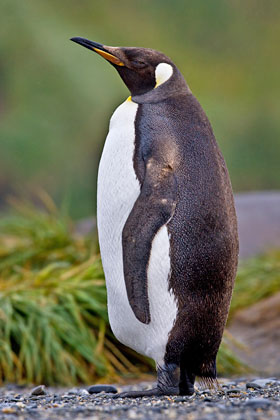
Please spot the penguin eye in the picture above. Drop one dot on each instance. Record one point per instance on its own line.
(139, 64)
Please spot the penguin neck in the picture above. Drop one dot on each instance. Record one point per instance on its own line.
(174, 86)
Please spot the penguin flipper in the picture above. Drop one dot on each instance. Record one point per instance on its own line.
(153, 208)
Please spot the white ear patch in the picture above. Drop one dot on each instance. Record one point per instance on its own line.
(163, 72)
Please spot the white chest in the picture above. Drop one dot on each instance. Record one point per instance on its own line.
(117, 186)
(117, 191)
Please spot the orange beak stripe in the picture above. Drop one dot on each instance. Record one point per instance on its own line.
(109, 57)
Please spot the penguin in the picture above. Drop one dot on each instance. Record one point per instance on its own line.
(166, 222)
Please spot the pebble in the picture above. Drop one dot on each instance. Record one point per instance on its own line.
(258, 403)
(8, 410)
(230, 384)
(84, 392)
(263, 382)
(108, 389)
(233, 401)
(39, 390)
(73, 391)
(233, 391)
(179, 399)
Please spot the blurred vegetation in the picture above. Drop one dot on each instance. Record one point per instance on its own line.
(257, 279)
(56, 98)
(53, 317)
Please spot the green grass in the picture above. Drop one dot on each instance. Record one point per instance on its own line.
(257, 278)
(53, 316)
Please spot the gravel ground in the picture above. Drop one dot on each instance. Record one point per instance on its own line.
(236, 400)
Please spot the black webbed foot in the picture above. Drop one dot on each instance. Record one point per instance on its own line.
(168, 384)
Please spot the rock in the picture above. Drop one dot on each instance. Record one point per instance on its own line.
(108, 389)
(181, 399)
(263, 382)
(73, 391)
(31, 407)
(8, 410)
(233, 391)
(83, 392)
(228, 384)
(258, 403)
(38, 390)
(253, 385)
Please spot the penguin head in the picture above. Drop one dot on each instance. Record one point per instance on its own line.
(142, 69)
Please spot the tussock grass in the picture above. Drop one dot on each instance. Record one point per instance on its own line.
(53, 316)
(257, 279)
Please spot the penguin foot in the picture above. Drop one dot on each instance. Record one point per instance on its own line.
(167, 384)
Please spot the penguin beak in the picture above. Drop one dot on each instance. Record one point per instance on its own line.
(99, 48)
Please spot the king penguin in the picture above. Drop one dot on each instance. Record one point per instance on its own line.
(166, 222)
